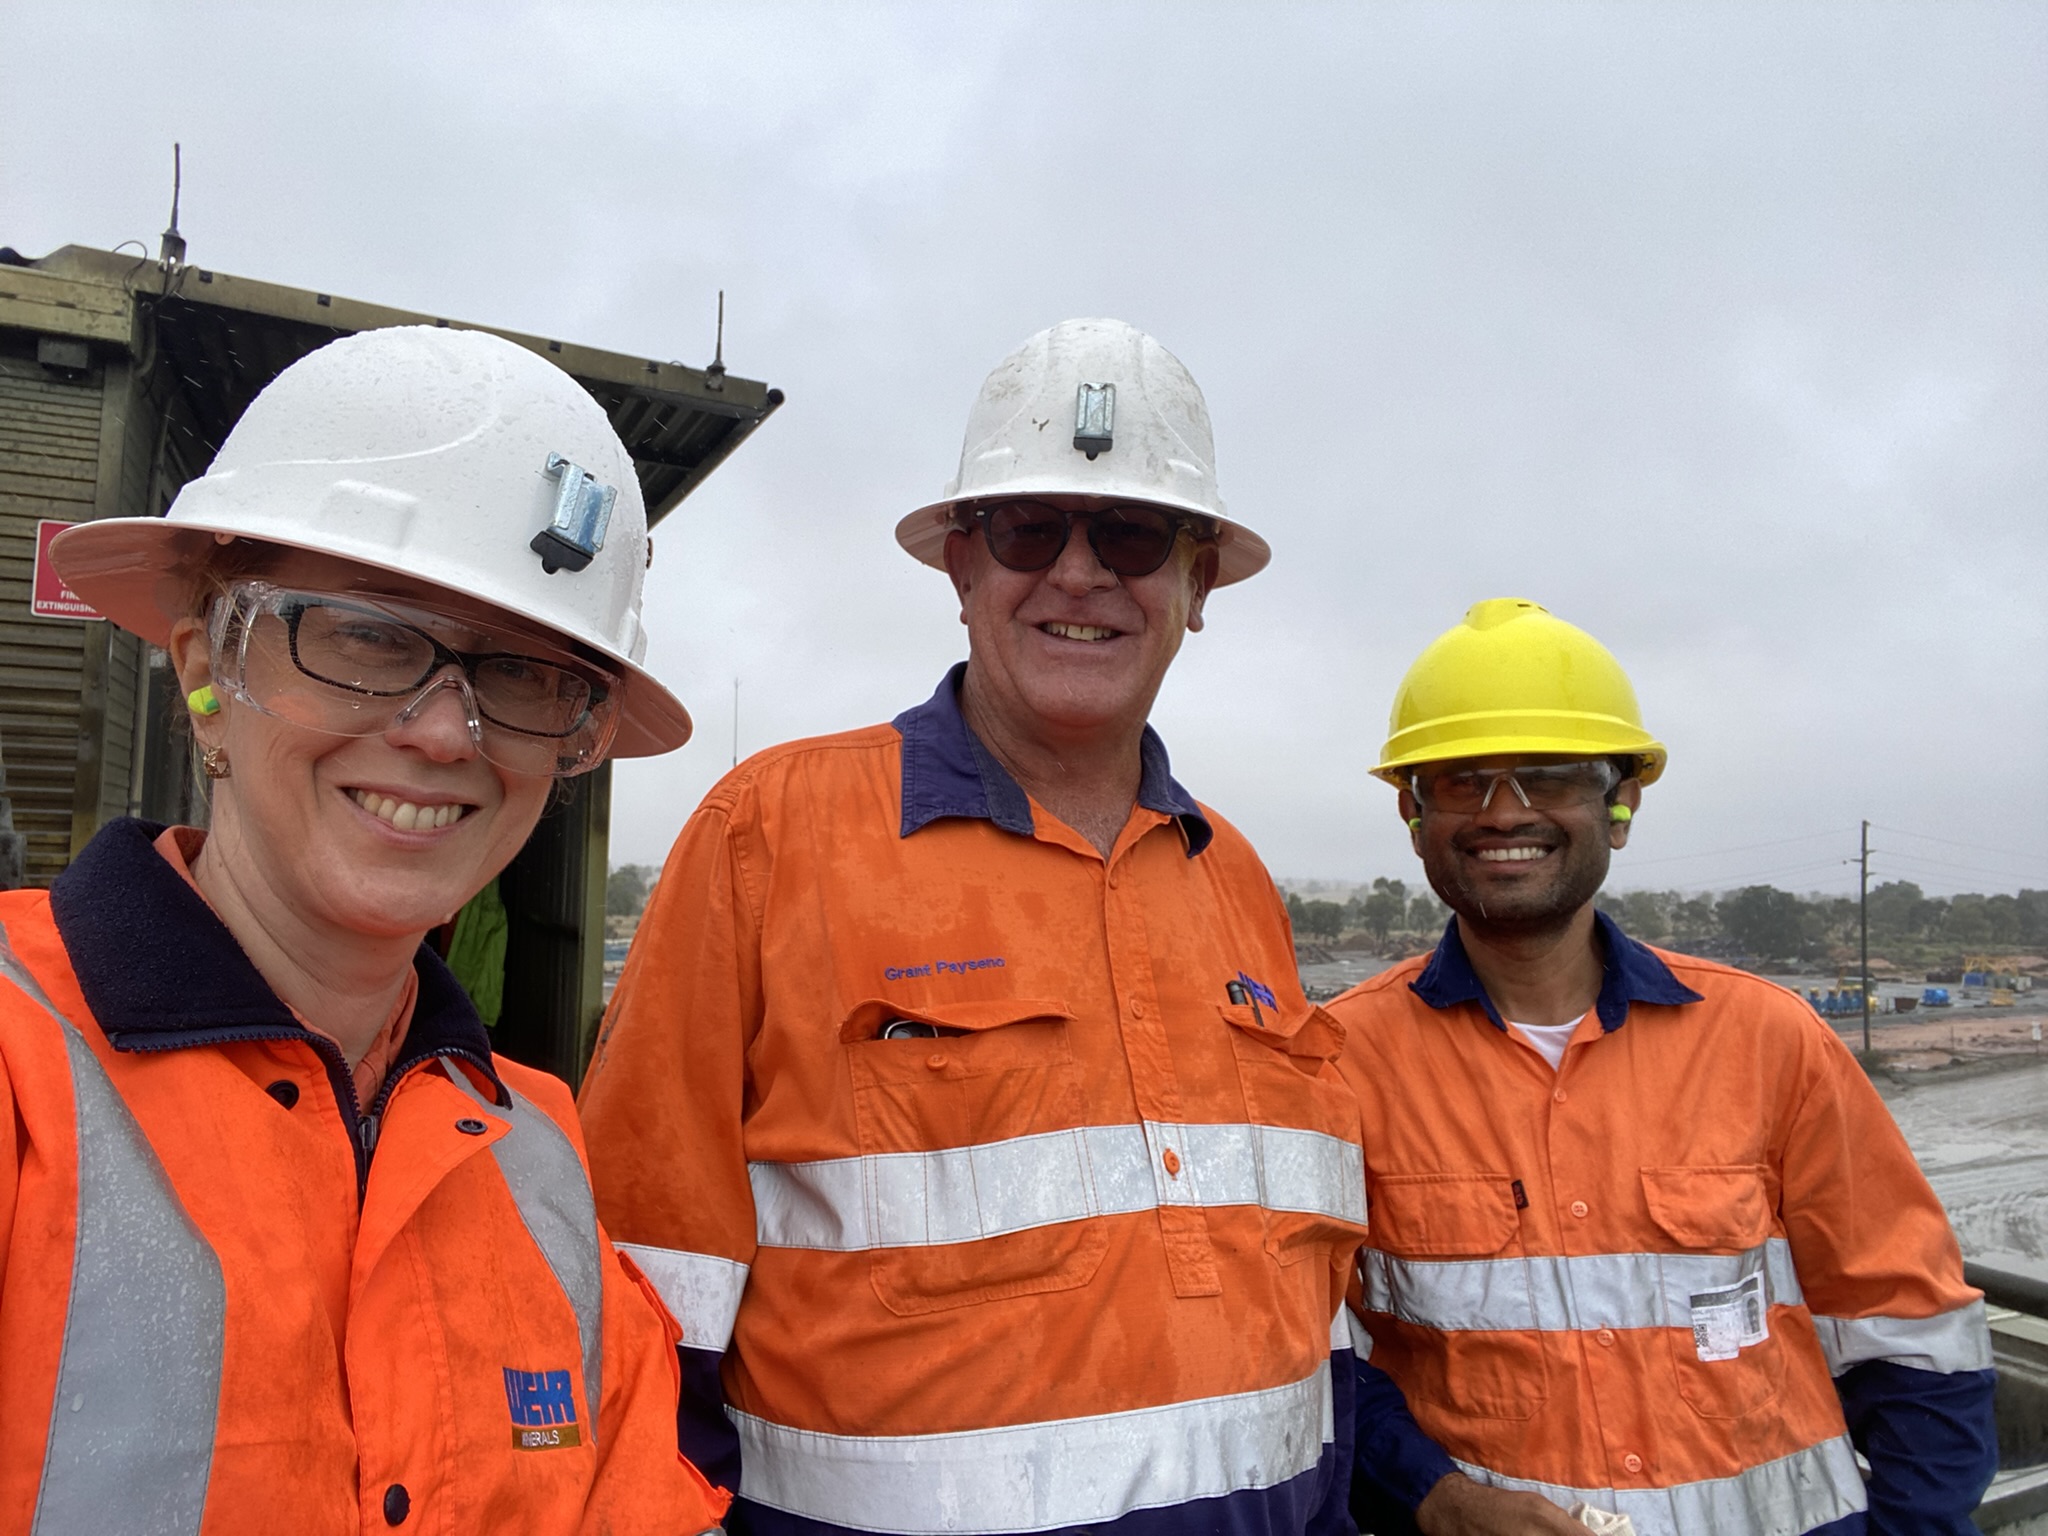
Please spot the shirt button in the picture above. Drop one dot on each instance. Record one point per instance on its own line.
(1137, 1009)
(1633, 1462)
(1558, 1096)
(285, 1091)
(1579, 1208)
(936, 1061)
(1171, 1159)
(397, 1504)
(468, 1128)
(1606, 1336)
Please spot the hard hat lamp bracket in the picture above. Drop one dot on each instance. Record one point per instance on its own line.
(583, 512)
(1095, 418)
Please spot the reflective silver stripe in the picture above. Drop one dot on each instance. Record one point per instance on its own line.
(1796, 1493)
(539, 1165)
(1558, 1293)
(701, 1292)
(138, 1381)
(1347, 1332)
(1958, 1340)
(1039, 1477)
(910, 1199)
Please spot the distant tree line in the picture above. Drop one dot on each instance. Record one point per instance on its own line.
(1757, 921)
(1906, 924)
(1386, 910)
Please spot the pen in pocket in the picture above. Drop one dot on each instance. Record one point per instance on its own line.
(1240, 994)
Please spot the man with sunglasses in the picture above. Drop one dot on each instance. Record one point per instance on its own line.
(959, 1094)
(1644, 1238)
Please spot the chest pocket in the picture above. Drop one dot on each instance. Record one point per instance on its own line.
(1443, 1216)
(1455, 1323)
(1722, 1210)
(968, 1116)
(1312, 1186)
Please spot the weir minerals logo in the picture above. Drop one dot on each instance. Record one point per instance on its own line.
(543, 1405)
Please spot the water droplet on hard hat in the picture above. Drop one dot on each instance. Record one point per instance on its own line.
(1496, 611)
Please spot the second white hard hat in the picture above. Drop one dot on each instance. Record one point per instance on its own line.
(1089, 408)
(448, 457)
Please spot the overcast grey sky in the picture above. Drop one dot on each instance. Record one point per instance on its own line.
(1721, 330)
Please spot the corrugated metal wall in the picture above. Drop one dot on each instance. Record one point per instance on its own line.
(49, 467)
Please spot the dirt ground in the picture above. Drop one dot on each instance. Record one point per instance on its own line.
(1919, 1041)
(1980, 1132)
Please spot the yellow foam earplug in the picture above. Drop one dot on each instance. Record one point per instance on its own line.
(202, 701)
(1414, 823)
(1620, 813)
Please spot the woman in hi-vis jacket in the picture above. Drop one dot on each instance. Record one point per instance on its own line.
(286, 1246)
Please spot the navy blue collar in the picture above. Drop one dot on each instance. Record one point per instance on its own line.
(948, 772)
(1631, 973)
(160, 971)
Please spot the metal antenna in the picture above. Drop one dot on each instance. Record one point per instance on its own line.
(714, 376)
(735, 722)
(172, 253)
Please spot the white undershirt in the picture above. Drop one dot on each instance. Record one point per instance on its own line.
(1550, 1039)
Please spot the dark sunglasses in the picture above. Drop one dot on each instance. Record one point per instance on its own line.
(1129, 538)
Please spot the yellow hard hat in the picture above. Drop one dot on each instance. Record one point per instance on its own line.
(1511, 679)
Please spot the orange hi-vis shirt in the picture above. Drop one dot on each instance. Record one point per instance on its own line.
(234, 1300)
(1653, 1278)
(953, 1139)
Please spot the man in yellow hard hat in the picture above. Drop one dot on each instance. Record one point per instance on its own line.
(1643, 1237)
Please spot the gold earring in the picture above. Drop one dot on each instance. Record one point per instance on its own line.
(214, 762)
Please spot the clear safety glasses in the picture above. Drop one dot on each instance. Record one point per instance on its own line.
(1129, 538)
(1539, 786)
(350, 665)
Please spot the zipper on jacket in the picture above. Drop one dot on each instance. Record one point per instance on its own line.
(370, 1122)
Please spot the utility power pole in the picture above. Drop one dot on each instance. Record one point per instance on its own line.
(1863, 921)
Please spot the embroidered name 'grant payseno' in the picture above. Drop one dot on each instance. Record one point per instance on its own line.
(942, 968)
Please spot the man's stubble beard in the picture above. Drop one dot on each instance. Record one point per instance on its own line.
(1525, 915)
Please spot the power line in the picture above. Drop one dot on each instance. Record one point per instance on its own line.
(1946, 864)
(1754, 877)
(1921, 858)
(2024, 853)
(1863, 930)
(1715, 853)
(1764, 876)
(1928, 858)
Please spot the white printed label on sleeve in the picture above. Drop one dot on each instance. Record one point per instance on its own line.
(1726, 1322)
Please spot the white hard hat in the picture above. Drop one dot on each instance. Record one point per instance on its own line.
(1089, 408)
(452, 458)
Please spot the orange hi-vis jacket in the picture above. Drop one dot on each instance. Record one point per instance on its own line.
(1656, 1278)
(1016, 1187)
(235, 1301)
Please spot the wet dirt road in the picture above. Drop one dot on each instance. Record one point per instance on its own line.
(1983, 1142)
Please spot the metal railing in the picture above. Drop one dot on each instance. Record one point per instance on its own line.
(2018, 1497)
(2002, 1288)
